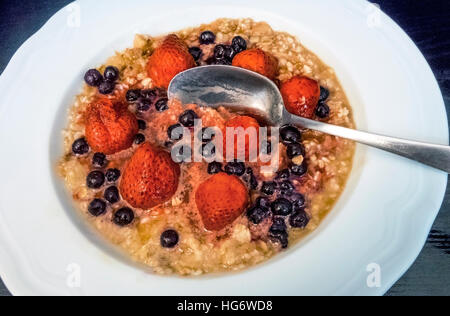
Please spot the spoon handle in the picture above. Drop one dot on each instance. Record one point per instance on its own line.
(437, 156)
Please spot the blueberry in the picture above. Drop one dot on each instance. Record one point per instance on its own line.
(143, 105)
(133, 95)
(95, 179)
(112, 175)
(142, 124)
(169, 238)
(268, 188)
(187, 118)
(175, 132)
(294, 150)
(221, 62)
(281, 237)
(229, 53)
(106, 87)
(324, 94)
(214, 167)
(99, 160)
(299, 170)
(208, 150)
(111, 73)
(278, 225)
(219, 51)
(97, 207)
(139, 139)
(299, 219)
(286, 188)
(281, 206)
(182, 153)
(80, 146)
(112, 195)
(283, 174)
(289, 134)
(162, 104)
(206, 134)
(322, 111)
(123, 217)
(263, 202)
(235, 167)
(253, 182)
(266, 148)
(298, 201)
(149, 94)
(93, 77)
(196, 52)
(207, 37)
(239, 44)
(257, 214)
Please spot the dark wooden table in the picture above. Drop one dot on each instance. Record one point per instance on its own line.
(426, 21)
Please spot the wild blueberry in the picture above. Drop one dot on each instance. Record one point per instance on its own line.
(283, 174)
(221, 62)
(257, 214)
(219, 51)
(268, 188)
(112, 175)
(99, 160)
(263, 202)
(281, 237)
(106, 87)
(239, 44)
(149, 94)
(196, 52)
(278, 225)
(294, 150)
(80, 146)
(229, 53)
(253, 182)
(187, 118)
(207, 37)
(162, 104)
(322, 111)
(143, 105)
(286, 188)
(214, 167)
(142, 125)
(175, 132)
(324, 94)
(299, 170)
(208, 150)
(111, 73)
(281, 206)
(112, 195)
(298, 201)
(133, 95)
(235, 167)
(97, 207)
(123, 216)
(299, 219)
(139, 139)
(206, 134)
(169, 238)
(95, 179)
(93, 77)
(289, 134)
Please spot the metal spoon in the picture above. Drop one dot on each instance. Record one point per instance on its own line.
(248, 91)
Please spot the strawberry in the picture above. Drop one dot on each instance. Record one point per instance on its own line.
(244, 122)
(221, 200)
(301, 95)
(169, 59)
(110, 127)
(258, 61)
(150, 177)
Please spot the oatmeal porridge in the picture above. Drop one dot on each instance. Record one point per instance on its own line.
(127, 149)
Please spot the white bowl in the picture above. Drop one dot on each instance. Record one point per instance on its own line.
(381, 221)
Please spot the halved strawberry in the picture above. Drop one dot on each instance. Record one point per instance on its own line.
(242, 127)
(110, 127)
(258, 61)
(301, 95)
(221, 200)
(150, 177)
(168, 60)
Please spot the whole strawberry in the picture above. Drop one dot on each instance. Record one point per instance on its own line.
(110, 127)
(168, 60)
(301, 95)
(221, 200)
(258, 61)
(150, 177)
